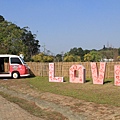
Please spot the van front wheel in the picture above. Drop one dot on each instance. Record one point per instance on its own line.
(15, 75)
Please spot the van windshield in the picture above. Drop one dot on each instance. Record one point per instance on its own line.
(22, 60)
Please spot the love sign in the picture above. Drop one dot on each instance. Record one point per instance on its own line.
(97, 76)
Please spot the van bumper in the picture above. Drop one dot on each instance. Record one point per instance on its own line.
(25, 75)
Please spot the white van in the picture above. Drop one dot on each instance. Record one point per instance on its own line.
(13, 66)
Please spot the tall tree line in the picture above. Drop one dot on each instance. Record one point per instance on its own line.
(16, 40)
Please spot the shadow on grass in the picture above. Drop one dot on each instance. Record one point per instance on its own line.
(108, 81)
(31, 74)
(67, 80)
(5, 78)
(87, 81)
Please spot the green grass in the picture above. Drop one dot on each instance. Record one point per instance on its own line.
(103, 94)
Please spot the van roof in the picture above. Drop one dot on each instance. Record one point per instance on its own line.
(8, 55)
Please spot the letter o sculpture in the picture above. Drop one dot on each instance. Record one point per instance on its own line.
(81, 74)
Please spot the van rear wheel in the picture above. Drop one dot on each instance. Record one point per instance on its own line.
(15, 75)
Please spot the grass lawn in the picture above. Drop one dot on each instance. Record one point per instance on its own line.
(103, 94)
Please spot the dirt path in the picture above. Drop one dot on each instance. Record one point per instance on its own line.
(11, 111)
(71, 108)
(44, 104)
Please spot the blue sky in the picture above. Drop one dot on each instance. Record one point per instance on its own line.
(64, 24)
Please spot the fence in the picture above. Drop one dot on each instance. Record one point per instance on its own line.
(62, 68)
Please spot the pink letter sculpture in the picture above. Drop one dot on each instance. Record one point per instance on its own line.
(81, 74)
(117, 75)
(98, 78)
(51, 74)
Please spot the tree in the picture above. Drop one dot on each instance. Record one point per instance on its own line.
(42, 58)
(48, 58)
(118, 58)
(77, 52)
(73, 51)
(104, 48)
(87, 57)
(72, 58)
(58, 58)
(108, 54)
(1, 18)
(38, 57)
(10, 38)
(31, 44)
(95, 56)
(86, 51)
(16, 40)
(119, 51)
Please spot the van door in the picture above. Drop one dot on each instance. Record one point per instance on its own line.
(1, 64)
(15, 67)
(4, 65)
(15, 64)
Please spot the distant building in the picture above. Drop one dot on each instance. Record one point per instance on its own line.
(107, 60)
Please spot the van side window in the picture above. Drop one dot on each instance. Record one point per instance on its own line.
(15, 61)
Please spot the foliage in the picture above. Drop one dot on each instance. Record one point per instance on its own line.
(95, 56)
(107, 54)
(91, 55)
(72, 58)
(119, 51)
(74, 55)
(58, 58)
(86, 51)
(10, 38)
(31, 44)
(118, 58)
(77, 52)
(42, 58)
(1, 18)
(87, 57)
(16, 40)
